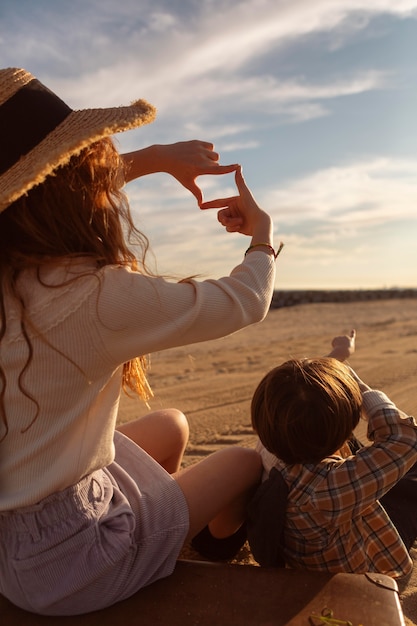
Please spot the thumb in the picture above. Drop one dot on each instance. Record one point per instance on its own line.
(196, 191)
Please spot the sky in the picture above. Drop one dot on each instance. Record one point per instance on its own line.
(317, 99)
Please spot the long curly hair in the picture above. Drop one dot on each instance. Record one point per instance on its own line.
(79, 211)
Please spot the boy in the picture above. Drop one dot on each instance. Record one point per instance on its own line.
(322, 507)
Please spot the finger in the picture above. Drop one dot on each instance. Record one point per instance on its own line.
(225, 217)
(232, 224)
(196, 191)
(242, 188)
(207, 150)
(214, 156)
(219, 203)
(225, 169)
(207, 144)
(216, 169)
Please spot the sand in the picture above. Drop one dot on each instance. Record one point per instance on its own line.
(212, 382)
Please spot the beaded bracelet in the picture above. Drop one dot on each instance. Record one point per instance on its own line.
(267, 245)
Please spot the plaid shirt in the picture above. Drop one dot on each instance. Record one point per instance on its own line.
(334, 522)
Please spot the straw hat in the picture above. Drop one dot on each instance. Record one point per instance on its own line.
(39, 132)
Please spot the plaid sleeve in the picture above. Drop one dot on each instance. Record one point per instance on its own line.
(350, 486)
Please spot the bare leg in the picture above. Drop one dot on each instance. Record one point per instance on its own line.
(162, 434)
(218, 490)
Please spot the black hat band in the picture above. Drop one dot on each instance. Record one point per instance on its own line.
(26, 119)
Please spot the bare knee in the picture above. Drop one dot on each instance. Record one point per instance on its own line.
(178, 426)
(162, 434)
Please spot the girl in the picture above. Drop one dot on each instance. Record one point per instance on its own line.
(90, 514)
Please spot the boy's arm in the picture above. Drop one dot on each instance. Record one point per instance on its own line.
(343, 347)
(360, 480)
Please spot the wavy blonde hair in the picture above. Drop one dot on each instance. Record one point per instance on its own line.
(78, 211)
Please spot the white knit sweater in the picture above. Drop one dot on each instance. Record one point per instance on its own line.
(82, 332)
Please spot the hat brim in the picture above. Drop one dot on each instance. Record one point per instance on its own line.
(79, 130)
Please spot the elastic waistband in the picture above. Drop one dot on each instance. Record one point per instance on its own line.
(86, 499)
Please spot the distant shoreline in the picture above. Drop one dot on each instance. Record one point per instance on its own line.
(293, 297)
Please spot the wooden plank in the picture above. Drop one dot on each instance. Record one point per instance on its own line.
(209, 594)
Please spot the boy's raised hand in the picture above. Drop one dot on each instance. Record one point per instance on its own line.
(343, 346)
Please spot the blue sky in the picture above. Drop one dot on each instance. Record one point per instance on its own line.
(315, 98)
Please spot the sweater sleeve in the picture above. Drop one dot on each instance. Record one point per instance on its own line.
(139, 314)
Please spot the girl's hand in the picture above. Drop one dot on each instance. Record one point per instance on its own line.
(185, 161)
(242, 213)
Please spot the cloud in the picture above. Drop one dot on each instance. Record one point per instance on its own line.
(363, 194)
(159, 44)
(339, 220)
(296, 99)
(192, 60)
(249, 75)
(240, 145)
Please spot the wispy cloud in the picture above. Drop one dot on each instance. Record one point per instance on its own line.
(327, 219)
(153, 47)
(193, 62)
(256, 77)
(366, 193)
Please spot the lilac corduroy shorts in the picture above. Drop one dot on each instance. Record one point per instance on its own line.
(97, 542)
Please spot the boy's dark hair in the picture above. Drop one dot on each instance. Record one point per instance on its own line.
(305, 410)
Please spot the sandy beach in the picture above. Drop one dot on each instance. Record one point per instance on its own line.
(212, 382)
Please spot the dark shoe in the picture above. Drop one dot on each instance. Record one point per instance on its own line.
(219, 549)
